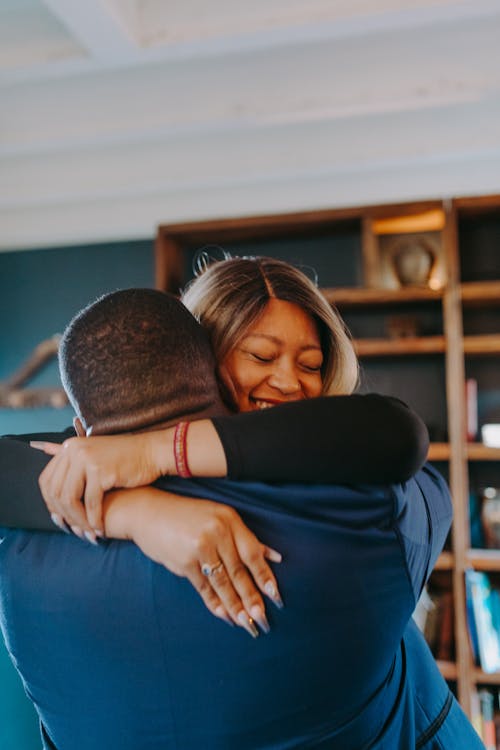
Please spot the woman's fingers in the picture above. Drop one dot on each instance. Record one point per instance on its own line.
(208, 595)
(236, 567)
(93, 499)
(253, 554)
(62, 487)
(50, 448)
(242, 602)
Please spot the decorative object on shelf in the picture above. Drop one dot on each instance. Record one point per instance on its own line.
(402, 326)
(15, 395)
(490, 434)
(490, 517)
(413, 260)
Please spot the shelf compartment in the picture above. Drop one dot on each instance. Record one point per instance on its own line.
(398, 347)
(484, 344)
(484, 559)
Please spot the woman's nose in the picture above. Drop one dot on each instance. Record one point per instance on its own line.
(285, 379)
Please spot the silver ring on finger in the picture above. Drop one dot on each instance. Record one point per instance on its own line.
(211, 570)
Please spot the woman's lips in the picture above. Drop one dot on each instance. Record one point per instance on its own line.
(267, 403)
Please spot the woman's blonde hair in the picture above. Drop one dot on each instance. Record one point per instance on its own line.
(230, 295)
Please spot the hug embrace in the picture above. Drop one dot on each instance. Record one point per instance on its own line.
(302, 514)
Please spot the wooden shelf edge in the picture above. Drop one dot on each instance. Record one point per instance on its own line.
(487, 678)
(448, 669)
(480, 292)
(398, 347)
(484, 559)
(487, 343)
(439, 452)
(359, 296)
(445, 561)
(480, 452)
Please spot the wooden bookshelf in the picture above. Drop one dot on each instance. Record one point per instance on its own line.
(465, 282)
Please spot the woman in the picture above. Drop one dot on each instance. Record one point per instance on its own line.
(263, 363)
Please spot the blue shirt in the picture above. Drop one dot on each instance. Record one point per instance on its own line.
(116, 652)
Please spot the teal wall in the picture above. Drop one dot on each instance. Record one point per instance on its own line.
(39, 292)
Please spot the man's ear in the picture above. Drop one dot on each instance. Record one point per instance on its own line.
(79, 428)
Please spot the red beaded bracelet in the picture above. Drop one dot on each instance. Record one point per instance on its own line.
(180, 450)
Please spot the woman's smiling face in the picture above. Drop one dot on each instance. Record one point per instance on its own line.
(278, 360)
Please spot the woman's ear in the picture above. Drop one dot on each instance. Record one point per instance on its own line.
(79, 428)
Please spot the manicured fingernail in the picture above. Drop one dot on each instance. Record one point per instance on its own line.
(260, 618)
(77, 531)
(248, 624)
(273, 555)
(90, 537)
(37, 444)
(57, 520)
(273, 594)
(221, 612)
(99, 533)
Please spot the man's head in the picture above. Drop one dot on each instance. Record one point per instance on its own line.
(134, 359)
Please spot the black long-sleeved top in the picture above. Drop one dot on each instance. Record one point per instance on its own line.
(353, 439)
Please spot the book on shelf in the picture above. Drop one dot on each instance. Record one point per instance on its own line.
(483, 613)
(434, 615)
(485, 716)
(471, 408)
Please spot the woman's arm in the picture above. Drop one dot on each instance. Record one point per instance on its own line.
(180, 533)
(339, 439)
(343, 439)
(21, 502)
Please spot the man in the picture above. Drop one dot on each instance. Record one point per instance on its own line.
(116, 652)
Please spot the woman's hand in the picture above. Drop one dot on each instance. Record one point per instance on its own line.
(84, 468)
(189, 535)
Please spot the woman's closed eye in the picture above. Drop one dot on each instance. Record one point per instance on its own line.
(311, 368)
(261, 357)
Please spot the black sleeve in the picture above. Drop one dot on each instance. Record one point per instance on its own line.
(342, 439)
(21, 502)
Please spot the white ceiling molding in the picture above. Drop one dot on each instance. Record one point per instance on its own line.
(117, 115)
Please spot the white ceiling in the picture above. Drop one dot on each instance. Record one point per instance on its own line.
(116, 115)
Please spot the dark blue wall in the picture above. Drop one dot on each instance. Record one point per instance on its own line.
(39, 292)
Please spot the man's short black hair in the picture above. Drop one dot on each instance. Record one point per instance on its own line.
(135, 358)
